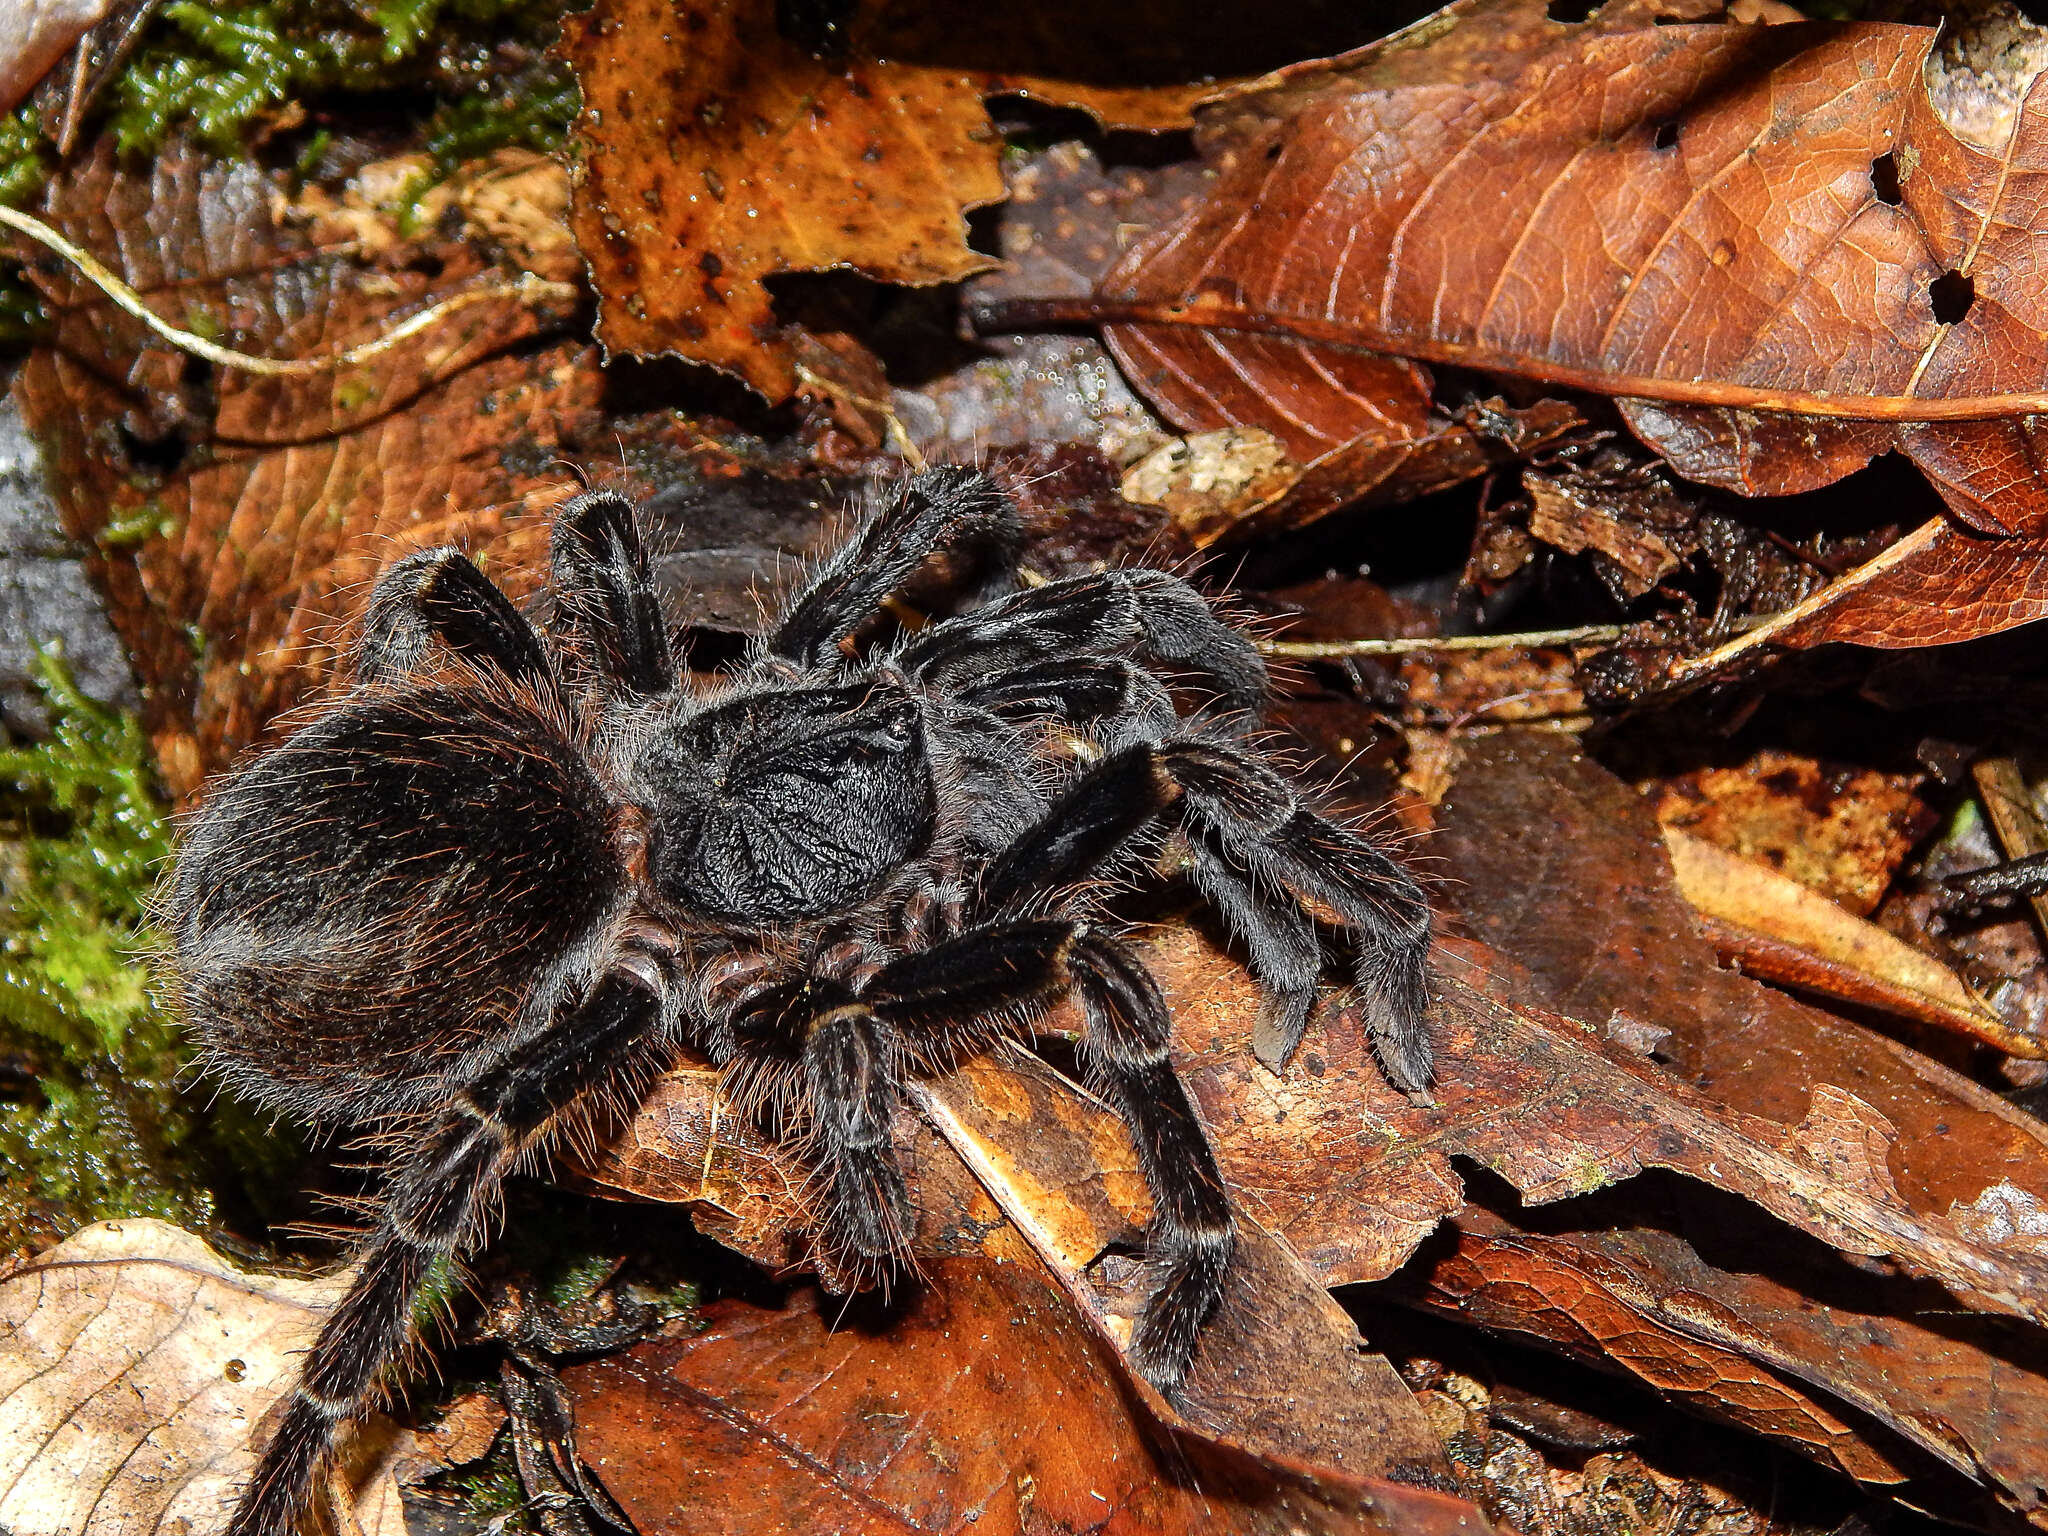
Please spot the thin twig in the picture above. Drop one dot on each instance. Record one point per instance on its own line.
(1317, 650)
(527, 289)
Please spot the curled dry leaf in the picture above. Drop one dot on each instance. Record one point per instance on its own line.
(136, 1368)
(1591, 910)
(1786, 933)
(1701, 220)
(234, 521)
(1939, 584)
(1765, 240)
(1584, 1301)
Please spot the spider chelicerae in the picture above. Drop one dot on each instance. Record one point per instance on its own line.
(503, 873)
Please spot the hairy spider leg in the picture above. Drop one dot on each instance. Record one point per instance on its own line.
(436, 1209)
(936, 509)
(1287, 852)
(812, 1036)
(1082, 691)
(436, 596)
(936, 996)
(606, 610)
(1151, 614)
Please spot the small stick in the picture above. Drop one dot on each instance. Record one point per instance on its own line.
(527, 289)
(2010, 805)
(1313, 650)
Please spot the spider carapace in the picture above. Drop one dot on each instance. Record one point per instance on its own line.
(504, 872)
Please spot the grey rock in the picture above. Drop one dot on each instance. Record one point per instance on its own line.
(45, 595)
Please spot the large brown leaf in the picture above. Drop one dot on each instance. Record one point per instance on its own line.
(985, 1405)
(1762, 238)
(1014, 1326)
(1591, 909)
(234, 520)
(1012, 1149)
(722, 147)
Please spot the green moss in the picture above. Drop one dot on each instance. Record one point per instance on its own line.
(215, 69)
(98, 1126)
(93, 1120)
(491, 1488)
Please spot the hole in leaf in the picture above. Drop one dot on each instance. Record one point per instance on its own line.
(1571, 11)
(1666, 136)
(1884, 179)
(1952, 294)
(1273, 150)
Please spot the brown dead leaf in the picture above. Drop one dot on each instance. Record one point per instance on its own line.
(1601, 856)
(1763, 239)
(1939, 584)
(1839, 829)
(1013, 1329)
(235, 520)
(136, 1370)
(718, 153)
(1021, 1143)
(1590, 907)
(725, 146)
(1062, 1169)
(1537, 1098)
(1583, 1303)
(983, 1404)
(1787, 933)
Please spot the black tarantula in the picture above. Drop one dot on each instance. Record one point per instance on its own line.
(505, 873)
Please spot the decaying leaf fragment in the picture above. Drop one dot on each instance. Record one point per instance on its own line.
(719, 153)
(136, 1367)
(1789, 934)
(1589, 918)
(234, 521)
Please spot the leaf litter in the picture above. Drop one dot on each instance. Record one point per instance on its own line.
(1769, 1213)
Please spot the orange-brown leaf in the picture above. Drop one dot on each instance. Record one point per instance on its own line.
(1699, 219)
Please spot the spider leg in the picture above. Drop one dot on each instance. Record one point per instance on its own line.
(1256, 818)
(1078, 692)
(933, 510)
(606, 609)
(435, 596)
(1286, 957)
(953, 988)
(812, 1038)
(1154, 615)
(435, 1209)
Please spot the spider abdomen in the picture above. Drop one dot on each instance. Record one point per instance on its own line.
(370, 905)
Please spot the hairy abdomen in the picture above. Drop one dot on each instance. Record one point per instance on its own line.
(367, 907)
